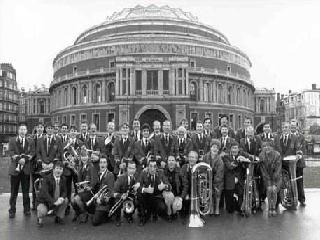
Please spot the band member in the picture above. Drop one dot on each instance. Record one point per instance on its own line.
(224, 122)
(233, 178)
(207, 128)
(35, 164)
(225, 139)
(186, 184)
(21, 151)
(136, 134)
(123, 149)
(53, 195)
(184, 123)
(149, 195)
(200, 140)
(241, 133)
(108, 145)
(270, 165)
(84, 135)
(102, 204)
(184, 146)
(126, 184)
(251, 146)
(49, 148)
(71, 145)
(79, 201)
(172, 197)
(267, 135)
(94, 144)
(56, 130)
(156, 129)
(143, 148)
(214, 160)
(167, 144)
(301, 164)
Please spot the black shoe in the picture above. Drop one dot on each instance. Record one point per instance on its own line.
(59, 220)
(67, 210)
(27, 213)
(169, 219)
(75, 217)
(302, 204)
(130, 220)
(33, 208)
(12, 214)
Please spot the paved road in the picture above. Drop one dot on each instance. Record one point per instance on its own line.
(301, 224)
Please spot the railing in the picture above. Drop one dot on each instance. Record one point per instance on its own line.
(219, 72)
(138, 92)
(152, 92)
(82, 73)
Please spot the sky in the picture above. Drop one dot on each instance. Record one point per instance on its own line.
(281, 38)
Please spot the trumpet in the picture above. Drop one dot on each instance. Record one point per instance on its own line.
(20, 166)
(99, 195)
(201, 193)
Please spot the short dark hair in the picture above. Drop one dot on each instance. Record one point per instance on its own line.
(234, 143)
(207, 118)
(216, 142)
(22, 124)
(58, 163)
(145, 126)
(48, 125)
(74, 128)
(64, 124)
(124, 125)
(224, 116)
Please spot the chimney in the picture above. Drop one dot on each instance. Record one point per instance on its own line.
(314, 86)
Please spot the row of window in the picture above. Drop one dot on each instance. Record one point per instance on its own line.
(8, 128)
(8, 95)
(5, 117)
(8, 84)
(83, 117)
(8, 106)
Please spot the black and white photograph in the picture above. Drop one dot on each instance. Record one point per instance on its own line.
(159, 119)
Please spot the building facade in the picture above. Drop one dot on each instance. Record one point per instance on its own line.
(265, 108)
(34, 107)
(8, 102)
(303, 106)
(151, 63)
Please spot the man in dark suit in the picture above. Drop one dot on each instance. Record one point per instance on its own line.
(108, 145)
(136, 133)
(241, 133)
(224, 122)
(93, 143)
(207, 128)
(301, 164)
(35, 164)
(225, 139)
(21, 151)
(267, 135)
(184, 146)
(53, 195)
(49, 148)
(84, 135)
(200, 141)
(166, 145)
(143, 148)
(123, 149)
(150, 200)
(126, 184)
(100, 179)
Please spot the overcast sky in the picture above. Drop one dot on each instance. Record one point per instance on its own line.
(282, 38)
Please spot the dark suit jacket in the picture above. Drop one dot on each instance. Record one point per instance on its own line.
(255, 146)
(217, 166)
(217, 132)
(184, 148)
(34, 166)
(16, 148)
(46, 195)
(145, 181)
(301, 145)
(186, 180)
(270, 167)
(106, 151)
(55, 150)
(83, 173)
(132, 134)
(140, 150)
(122, 186)
(82, 139)
(166, 148)
(230, 172)
(228, 144)
(96, 183)
(240, 134)
(97, 144)
(198, 145)
(175, 181)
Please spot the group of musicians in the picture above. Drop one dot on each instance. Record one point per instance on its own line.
(150, 167)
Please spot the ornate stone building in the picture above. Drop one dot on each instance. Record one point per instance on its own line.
(151, 63)
(8, 102)
(265, 108)
(34, 107)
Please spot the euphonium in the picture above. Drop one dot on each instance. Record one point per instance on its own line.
(289, 190)
(201, 193)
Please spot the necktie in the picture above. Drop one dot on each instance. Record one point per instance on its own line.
(23, 142)
(57, 190)
(285, 140)
(48, 144)
(167, 138)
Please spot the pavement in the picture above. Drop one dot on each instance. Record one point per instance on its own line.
(304, 223)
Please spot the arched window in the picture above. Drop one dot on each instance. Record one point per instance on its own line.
(193, 91)
(229, 95)
(74, 96)
(84, 94)
(66, 96)
(111, 92)
(238, 96)
(41, 106)
(59, 99)
(262, 110)
(97, 93)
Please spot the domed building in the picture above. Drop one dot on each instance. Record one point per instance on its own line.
(151, 63)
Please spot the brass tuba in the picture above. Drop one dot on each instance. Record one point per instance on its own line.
(289, 190)
(201, 193)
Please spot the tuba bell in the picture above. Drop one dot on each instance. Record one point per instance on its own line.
(201, 193)
(289, 190)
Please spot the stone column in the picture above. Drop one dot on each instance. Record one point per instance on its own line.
(183, 83)
(144, 82)
(160, 82)
(78, 93)
(103, 90)
(132, 82)
(117, 86)
(187, 83)
(201, 89)
(90, 92)
(172, 82)
(176, 81)
(127, 82)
